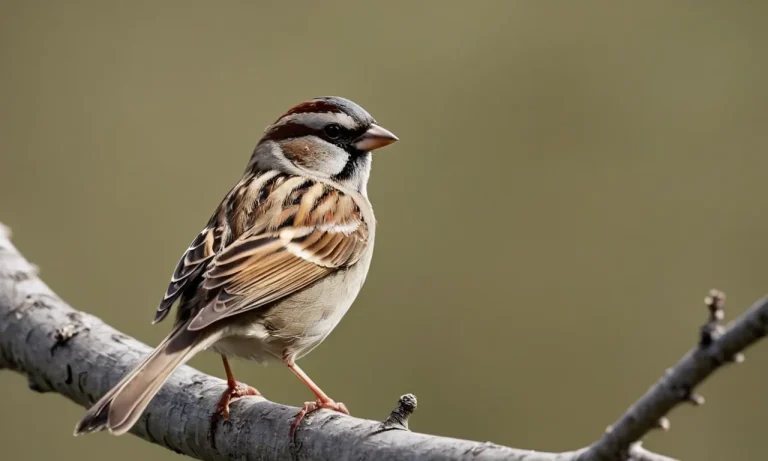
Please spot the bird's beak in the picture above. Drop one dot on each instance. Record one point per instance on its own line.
(376, 137)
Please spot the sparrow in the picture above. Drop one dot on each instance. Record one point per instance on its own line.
(277, 266)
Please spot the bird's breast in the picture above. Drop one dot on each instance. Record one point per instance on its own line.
(295, 325)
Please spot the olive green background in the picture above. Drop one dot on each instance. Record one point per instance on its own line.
(572, 177)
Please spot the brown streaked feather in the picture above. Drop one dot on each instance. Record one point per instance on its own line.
(313, 106)
(249, 206)
(200, 252)
(308, 201)
(247, 197)
(325, 206)
(301, 233)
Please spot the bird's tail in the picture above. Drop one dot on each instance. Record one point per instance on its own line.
(122, 406)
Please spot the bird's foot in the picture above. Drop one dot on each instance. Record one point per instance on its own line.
(221, 411)
(232, 393)
(311, 407)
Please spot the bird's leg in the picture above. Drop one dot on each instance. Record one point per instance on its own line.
(234, 391)
(321, 398)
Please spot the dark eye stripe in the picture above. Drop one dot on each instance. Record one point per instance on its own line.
(289, 130)
(314, 124)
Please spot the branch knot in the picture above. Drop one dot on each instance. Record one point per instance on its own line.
(398, 419)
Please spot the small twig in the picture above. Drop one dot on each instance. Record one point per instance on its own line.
(712, 330)
(638, 453)
(398, 419)
(717, 346)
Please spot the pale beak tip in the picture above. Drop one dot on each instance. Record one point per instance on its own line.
(375, 137)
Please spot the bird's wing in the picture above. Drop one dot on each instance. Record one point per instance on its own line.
(235, 213)
(192, 263)
(302, 232)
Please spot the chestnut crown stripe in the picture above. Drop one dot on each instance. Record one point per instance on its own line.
(333, 105)
(315, 105)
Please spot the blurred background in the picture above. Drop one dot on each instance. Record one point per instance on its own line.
(572, 178)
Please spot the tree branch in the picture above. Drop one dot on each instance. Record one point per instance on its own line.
(717, 347)
(75, 354)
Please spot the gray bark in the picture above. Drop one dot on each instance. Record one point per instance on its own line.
(75, 354)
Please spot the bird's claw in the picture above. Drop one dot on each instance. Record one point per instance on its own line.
(221, 410)
(311, 407)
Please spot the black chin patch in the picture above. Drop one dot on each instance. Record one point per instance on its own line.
(356, 160)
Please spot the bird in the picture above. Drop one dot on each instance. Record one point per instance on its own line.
(276, 267)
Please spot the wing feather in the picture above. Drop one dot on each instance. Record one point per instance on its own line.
(307, 231)
(202, 249)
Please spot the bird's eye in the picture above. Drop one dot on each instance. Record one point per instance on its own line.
(333, 131)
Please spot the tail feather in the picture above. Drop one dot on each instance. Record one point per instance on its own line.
(122, 406)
